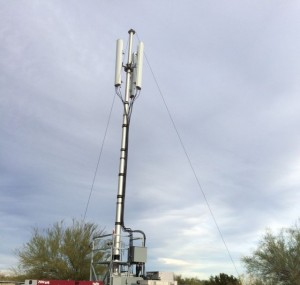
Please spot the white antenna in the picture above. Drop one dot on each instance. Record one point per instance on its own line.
(119, 59)
(133, 76)
(139, 65)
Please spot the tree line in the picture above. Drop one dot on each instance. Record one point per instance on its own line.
(63, 252)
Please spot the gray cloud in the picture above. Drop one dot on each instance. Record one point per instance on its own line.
(229, 75)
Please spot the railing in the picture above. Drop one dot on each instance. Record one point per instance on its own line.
(102, 256)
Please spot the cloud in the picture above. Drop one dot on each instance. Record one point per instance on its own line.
(174, 262)
(229, 78)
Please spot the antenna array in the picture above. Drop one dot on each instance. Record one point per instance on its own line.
(135, 64)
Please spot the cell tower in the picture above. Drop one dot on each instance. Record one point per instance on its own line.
(123, 253)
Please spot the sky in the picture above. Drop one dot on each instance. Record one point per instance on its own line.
(224, 73)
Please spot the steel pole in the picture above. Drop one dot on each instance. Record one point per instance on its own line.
(123, 161)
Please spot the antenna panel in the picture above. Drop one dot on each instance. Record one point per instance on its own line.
(139, 65)
(133, 76)
(119, 60)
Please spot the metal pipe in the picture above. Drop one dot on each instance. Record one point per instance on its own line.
(123, 161)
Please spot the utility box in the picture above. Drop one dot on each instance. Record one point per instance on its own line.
(138, 254)
(160, 275)
(125, 280)
(159, 278)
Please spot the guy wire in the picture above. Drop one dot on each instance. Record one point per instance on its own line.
(191, 165)
(99, 158)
